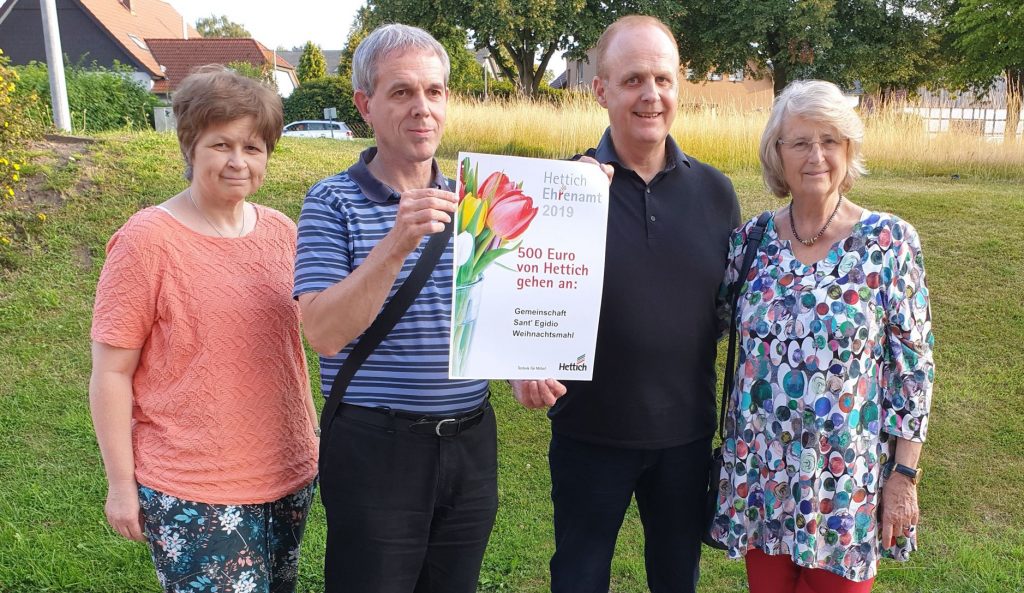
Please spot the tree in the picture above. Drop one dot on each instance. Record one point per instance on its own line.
(885, 45)
(263, 73)
(465, 72)
(312, 64)
(362, 24)
(521, 35)
(776, 37)
(989, 37)
(220, 26)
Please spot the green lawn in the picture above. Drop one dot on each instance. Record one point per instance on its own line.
(53, 536)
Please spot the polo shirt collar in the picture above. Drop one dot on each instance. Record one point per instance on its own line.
(375, 189)
(606, 152)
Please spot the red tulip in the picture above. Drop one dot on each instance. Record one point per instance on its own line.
(496, 185)
(511, 211)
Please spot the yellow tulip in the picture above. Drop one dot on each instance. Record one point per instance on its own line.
(470, 206)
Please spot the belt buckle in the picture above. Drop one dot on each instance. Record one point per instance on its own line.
(440, 423)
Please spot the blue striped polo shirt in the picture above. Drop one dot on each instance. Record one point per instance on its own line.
(343, 217)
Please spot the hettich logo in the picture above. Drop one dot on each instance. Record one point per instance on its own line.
(579, 365)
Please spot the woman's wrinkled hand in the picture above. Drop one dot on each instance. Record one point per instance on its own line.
(123, 511)
(899, 508)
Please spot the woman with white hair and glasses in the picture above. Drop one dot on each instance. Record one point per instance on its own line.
(829, 406)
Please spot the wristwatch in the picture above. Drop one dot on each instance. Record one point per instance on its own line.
(913, 474)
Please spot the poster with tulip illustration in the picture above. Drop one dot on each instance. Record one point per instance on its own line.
(529, 268)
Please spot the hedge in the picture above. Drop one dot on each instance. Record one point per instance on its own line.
(98, 98)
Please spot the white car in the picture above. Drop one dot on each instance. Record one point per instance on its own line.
(318, 129)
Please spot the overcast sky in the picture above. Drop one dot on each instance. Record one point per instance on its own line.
(287, 24)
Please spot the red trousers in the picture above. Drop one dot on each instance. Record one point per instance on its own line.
(778, 574)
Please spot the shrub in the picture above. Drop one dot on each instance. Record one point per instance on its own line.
(9, 132)
(15, 128)
(309, 100)
(546, 93)
(496, 89)
(503, 89)
(99, 98)
(263, 73)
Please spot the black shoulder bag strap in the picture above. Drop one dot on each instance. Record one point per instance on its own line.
(750, 248)
(386, 320)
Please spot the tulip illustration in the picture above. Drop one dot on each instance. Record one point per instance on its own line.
(491, 217)
(463, 247)
(468, 177)
(472, 214)
(511, 213)
(496, 185)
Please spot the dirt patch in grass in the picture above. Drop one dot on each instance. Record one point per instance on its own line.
(83, 257)
(57, 167)
(52, 159)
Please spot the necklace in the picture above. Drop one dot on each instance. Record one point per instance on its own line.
(809, 242)
(241, 230)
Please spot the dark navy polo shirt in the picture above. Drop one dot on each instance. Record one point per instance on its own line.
(654, 368)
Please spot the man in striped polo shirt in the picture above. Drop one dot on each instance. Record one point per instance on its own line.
(408, 470)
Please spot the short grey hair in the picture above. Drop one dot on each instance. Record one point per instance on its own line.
(384, 40)
(821, 102)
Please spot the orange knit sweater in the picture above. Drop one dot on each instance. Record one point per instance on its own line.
(219, 413)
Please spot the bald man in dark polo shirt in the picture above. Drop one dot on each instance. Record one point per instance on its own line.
(644, 425)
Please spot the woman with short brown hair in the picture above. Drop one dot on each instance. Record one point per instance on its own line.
(199, 391)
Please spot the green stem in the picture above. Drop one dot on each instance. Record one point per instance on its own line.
(482, 241)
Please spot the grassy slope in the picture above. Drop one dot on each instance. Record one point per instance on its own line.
(53, 536)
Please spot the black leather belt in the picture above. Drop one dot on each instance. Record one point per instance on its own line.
(441, 426)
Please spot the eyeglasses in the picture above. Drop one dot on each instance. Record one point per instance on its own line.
(802, 146)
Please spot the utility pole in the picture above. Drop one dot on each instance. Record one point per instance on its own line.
(486, 64)
(55, 66)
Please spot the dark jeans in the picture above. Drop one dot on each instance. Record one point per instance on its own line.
(591, 486)
(406, 512)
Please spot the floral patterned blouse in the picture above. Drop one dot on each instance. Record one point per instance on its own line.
(835, 362)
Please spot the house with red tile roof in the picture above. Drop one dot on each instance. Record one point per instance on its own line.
(179, 57)
(109, 31)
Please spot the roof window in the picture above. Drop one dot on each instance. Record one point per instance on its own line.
(138, 41)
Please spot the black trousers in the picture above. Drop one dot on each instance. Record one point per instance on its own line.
(591, 487)
(406, 513)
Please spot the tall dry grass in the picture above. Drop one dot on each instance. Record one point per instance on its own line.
(895, 143)
(523, 128)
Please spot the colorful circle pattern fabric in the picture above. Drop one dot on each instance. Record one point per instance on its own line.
(835, 362)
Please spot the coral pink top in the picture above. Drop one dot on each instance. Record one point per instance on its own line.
(219, 413)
